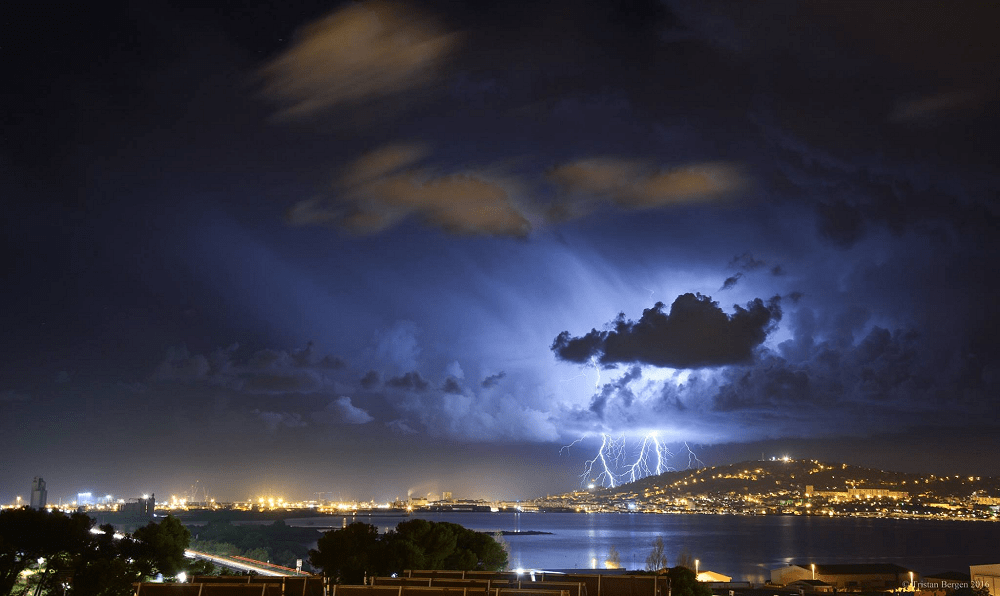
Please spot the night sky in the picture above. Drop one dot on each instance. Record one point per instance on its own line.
(375, 248)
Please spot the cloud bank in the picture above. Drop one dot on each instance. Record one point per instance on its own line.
(695, 333)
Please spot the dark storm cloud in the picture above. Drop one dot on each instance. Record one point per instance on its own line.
(695, 333)
(370, 380)
(746, 262)
(261, 372)
(451, 385)
(493, 380)
(730, 282)
(411, 381)
(13, 396)
(840, 223)
(618, 388)
(884, 374)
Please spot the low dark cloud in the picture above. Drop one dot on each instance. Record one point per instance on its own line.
(273, 420)
(882, 381)
(261, 372)
(370, 380)
(411, 380)
(696, 333)
(617, 388)
(730, 282)
(492, 380)
(341, 410)
(451, 385)
(746, 262)
(13, 396)
(840, 223)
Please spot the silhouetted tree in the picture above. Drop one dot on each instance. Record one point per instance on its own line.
(684, 583)
(96, 564)
(614, 560)
(163, 544)
(27, 535)
(685, 559)
(656, 560)
(349, 554)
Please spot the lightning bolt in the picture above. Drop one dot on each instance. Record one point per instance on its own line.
(601, 468)
(692, 458)
(566, 447)
(597, 367)
(608, 467)
(651, 452)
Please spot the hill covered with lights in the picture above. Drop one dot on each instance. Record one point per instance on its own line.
(762, 477)
(790, 486)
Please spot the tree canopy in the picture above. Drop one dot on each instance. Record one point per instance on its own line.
(349, 554)
(55, 548)
(683, 582)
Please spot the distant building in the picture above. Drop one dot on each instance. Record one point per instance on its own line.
(140, 507)
(39, 496)
(856, 493)
(986, 576)
(862, 576)
(868, 493)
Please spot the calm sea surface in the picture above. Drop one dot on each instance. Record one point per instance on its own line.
(746, 548)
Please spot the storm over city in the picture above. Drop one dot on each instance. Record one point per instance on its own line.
(377, 249)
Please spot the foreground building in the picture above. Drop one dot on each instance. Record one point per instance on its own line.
(986, 576)
(854, 577)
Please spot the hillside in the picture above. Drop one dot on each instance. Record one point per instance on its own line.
(792, 476)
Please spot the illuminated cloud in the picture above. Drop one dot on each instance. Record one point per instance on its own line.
(342, 410)
(361, 52)
(638, 184)
(272, 420)
(381, 189)
(932, 106)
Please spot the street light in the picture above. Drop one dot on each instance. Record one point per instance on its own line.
(814, 571)
(696, 568)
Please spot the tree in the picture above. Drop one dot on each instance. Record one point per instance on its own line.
(27, 535)
(656, 560)
(422, 544)
(498, 537)
(685, 559)
(348, 554)
(163, 545)
(684, 583)
(614, 560)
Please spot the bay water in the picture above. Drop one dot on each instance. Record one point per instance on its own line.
(744, 547)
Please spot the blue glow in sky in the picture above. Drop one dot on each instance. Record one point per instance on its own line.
(374, 248)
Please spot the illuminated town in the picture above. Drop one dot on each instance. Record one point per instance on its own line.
(780, 486)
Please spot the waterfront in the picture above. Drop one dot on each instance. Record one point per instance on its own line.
(744, 547)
